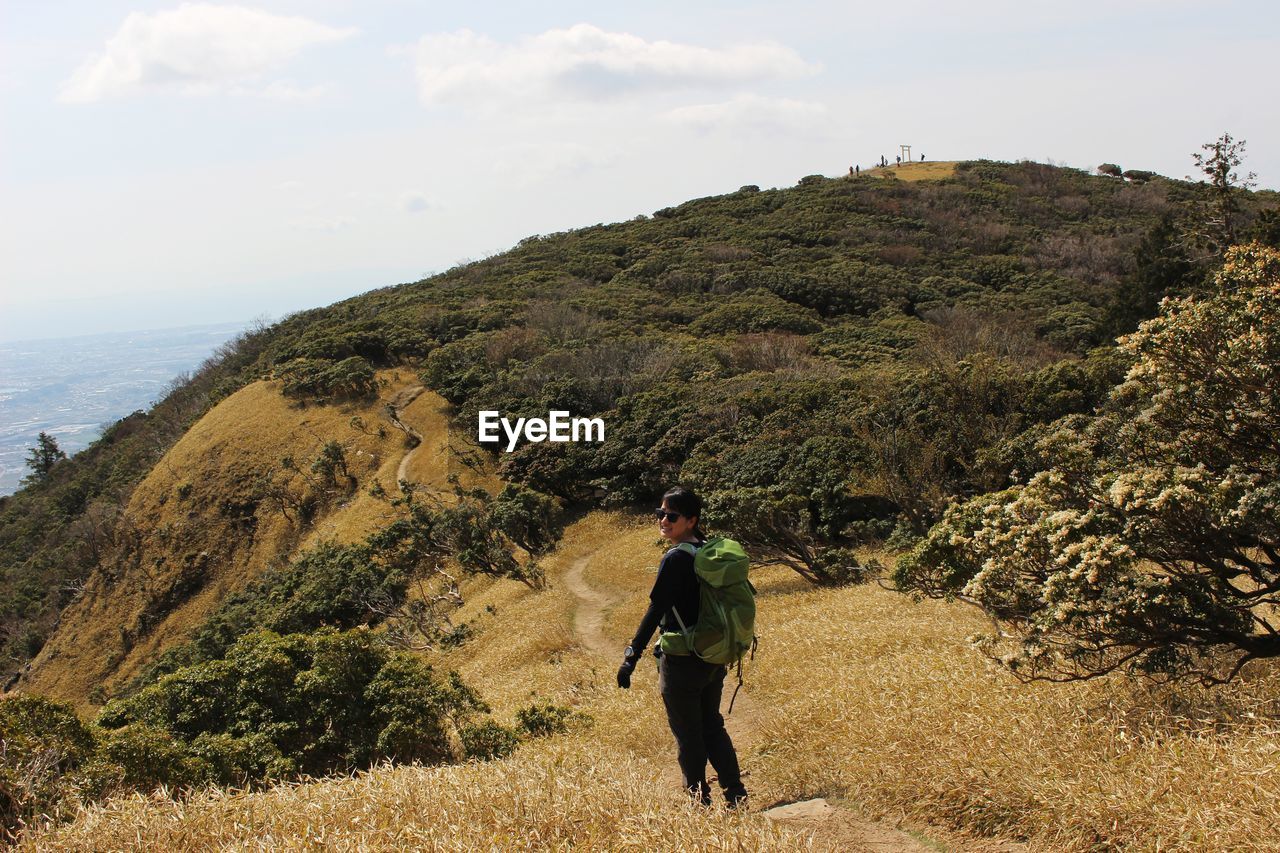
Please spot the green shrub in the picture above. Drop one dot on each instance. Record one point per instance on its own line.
(240, 760)
(352, 377)
(488, 740)
(150, 757)
(1139, 176)
(758, 312)
(318, 703)
(545, 718)
(43, 748)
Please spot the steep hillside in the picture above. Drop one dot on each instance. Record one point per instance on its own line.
(220, 508)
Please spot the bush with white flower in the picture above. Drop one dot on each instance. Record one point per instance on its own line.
(1151, 545)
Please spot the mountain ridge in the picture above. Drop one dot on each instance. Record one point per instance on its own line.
(807, 294)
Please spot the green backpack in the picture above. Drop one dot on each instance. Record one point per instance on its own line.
(725, 630)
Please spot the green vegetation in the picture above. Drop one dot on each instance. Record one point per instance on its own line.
(1220, 220)
(274, 707)
(370, 583)
(47, 760)
(841, 364)
(913, 330)
(311, 703)
(319, 379)
(44, 456)
(1151, 541)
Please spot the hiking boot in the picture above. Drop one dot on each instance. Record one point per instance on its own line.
(700, 793)
(736, 799)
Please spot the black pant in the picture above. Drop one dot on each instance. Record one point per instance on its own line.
(691, 691)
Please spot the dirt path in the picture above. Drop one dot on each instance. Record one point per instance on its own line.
(831, 825)
(397, 405)
(588, 616)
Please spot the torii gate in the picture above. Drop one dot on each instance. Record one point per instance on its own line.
(905, 150)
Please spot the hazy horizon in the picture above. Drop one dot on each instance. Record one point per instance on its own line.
(73, 387)
(171, 163)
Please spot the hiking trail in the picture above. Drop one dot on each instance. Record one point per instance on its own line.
(831, 825)
(588, 616)
(397, 405)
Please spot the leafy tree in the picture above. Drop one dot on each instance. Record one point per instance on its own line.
(469, 533)
(1152, 544)
(332, 462)
(776, 527)
(1162, 269)
(1267, 229)
(937, 435)
(1139, 176)
(42, 457)
(1221, 214)
(526, 517)
(352, 377)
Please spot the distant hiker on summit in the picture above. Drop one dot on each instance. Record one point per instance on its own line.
(706, 608)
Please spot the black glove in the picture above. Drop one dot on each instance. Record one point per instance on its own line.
(629, 658)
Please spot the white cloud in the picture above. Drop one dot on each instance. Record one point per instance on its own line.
(323, 224)
(281, 90)
(199, 49)
(529, 163)
(748, 111)
(415, 202)
(585, 62)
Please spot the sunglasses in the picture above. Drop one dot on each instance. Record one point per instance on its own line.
(672, 517)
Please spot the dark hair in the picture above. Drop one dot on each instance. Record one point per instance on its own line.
(685, 502)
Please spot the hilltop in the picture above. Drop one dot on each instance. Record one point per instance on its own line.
(833, 365)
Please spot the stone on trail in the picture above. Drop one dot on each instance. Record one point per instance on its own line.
(815, 810)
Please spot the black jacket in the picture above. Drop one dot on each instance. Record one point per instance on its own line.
(676, 587)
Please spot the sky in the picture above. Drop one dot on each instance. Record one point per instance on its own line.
(167, 164)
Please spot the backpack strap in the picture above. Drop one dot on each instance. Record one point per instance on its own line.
(688, 547)
(692, 550)
(734, 697)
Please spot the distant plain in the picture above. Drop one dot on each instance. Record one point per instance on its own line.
(73, 387)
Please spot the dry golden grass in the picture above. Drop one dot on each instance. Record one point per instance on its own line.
(552, 796)
(185, 531)
(525, 647)
(877, 699)
(858, 695)
(915, 171)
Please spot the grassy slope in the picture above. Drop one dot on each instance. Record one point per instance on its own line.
(857, 694)
(193, 547)
(913, 171)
